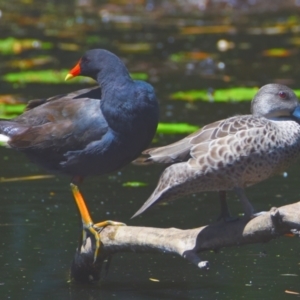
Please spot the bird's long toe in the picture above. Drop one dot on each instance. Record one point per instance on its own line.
(88, 226)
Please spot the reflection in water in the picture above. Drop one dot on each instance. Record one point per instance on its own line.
(178, 48)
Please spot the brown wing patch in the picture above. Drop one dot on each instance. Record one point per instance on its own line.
(50, 118)
(37, 136)
(34, 103)
(37, 102)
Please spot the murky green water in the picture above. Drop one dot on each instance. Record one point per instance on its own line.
(39, 225)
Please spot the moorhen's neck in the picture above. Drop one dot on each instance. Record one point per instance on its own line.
(114, 73)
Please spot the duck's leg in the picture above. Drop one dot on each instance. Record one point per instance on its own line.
(225, 212)
(88, 225)
(248, 208)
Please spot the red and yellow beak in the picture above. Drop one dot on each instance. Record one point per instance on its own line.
(74, 72)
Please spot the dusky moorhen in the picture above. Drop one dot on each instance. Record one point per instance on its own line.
(92, 131)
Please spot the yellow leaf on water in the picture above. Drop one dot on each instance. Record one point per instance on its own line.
(208, 29)
(291, 292)
(34, 177)
(135, 47)
(10, 99)
(186, 56)
(31, 62)
(278, 52)
(154, 279)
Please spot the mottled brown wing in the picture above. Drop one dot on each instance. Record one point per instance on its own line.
(226, 140)
(181, 150)
(178, 151)
(225, 127)
(175, 152)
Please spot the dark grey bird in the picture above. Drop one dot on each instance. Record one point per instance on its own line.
(232, 154)
(91, 131)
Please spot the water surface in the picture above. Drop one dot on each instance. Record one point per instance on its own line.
(39, 224)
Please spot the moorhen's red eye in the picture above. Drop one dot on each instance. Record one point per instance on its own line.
(85, 59)
(282, 95)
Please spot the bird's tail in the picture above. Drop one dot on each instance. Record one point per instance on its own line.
(154, 198)
(172, 184)
(176, 152)
(9, 129)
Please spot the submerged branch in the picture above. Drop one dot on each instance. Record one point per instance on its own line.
(186, 243)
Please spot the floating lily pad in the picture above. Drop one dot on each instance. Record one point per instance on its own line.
(222, 95)
(12, 45)
(8, 111)
(297, 92)
(139, 76)
(135, 47)
(186, 56)
(277, 52)
(29, 63)
(214, 29)
(55, 77)
(45, 76)
(191, 95)
(176, 128)
(10, 99)
(134, 184)
(24, 178)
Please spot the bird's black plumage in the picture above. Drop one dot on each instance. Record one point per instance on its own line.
(91, 131)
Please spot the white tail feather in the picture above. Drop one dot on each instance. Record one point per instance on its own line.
(4, 138)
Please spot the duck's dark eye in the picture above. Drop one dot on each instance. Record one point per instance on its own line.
(282, 95)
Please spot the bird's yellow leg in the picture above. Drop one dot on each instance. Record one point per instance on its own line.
(108, 222)
(87, 222)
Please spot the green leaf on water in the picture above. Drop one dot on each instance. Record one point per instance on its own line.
(13, 108)
(141, 47)
(134, 184)
(219, 95)
(176, 128)
(187, 56)
(8, 111)
(191, 95)
(55, 77)
(139, 76)
(95, 39)
(235, 94)
(177, 57)
(3, 116)
(297, 92)
(277, 52)
(12, 45)
(45, 76)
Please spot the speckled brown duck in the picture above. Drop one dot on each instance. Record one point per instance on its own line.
(234, 153)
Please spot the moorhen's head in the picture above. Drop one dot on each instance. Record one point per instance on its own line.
(275, 101)
(97, 62)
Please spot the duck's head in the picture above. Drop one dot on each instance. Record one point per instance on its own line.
(275, 101)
